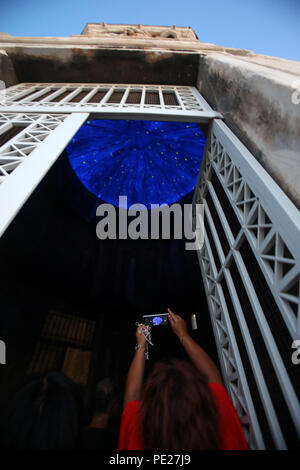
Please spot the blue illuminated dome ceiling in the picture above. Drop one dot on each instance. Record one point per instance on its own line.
(149, 162)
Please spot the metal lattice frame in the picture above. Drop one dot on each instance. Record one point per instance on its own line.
(143, 101)
(37, 128)
(26, 158)
(254, 305)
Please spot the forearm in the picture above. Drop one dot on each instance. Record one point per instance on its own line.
(134, 381)
(201, 359)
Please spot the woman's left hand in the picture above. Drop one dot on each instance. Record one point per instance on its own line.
(140, 337)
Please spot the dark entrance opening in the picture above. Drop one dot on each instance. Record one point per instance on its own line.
(52, 261)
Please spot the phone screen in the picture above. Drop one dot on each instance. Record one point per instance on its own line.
(156, 320)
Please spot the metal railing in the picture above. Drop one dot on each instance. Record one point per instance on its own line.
(181, 103)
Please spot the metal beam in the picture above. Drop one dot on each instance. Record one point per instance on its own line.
(19, 185)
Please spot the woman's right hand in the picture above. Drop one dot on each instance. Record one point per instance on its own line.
(178, 324)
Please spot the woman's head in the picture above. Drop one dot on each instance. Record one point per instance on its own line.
(177, 409)
(44, 414)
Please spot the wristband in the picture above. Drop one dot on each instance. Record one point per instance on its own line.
(139, 346)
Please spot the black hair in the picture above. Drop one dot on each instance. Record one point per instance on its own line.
(45, 413)
(104, 394)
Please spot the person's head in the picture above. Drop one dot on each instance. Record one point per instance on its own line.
(44, 414)
(177, 409)
(107, 401)
(104, 394)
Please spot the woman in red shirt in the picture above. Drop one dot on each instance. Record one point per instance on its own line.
(184, 405)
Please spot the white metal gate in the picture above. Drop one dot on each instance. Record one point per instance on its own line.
(251, 270)
(26, 158)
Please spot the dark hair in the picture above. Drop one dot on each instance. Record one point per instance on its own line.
(178, 409)
(44, 414)
(104, 394)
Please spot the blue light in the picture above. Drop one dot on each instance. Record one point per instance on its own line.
(157, 321)
(150, 162)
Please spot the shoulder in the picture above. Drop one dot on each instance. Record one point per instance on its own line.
(220, 393)
(130, 409)
(129, 429)
(232, 434)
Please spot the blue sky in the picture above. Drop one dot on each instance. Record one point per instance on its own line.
(265, 26)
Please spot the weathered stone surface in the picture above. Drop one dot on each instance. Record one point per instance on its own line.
(256, 102)
(7, 71)
(141, 31)
(38, 64)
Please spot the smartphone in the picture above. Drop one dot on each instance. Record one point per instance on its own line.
(156, 320)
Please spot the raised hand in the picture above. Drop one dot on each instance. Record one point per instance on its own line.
(178, 324)
(140, 339)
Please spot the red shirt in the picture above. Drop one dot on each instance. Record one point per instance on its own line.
(232, 435)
